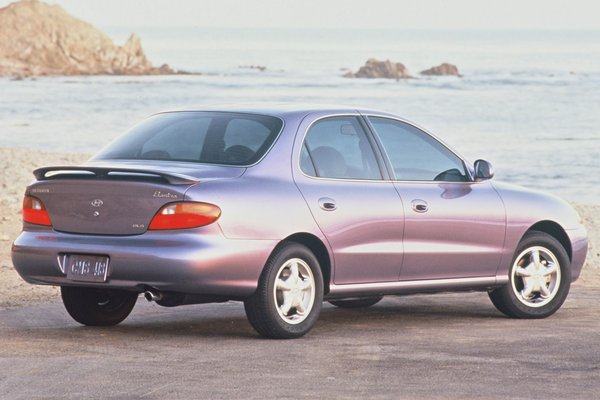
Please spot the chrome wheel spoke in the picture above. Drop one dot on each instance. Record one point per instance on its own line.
(294, 274)
(536, 283)
(544, 292)
(283, 285)
(304, 285)
(287, 304)
(294, 291)
(300, 308)
(527, 291)
(535, 257)
(550, 269)
(520, 271)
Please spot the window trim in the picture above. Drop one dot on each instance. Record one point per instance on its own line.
(379, 159)
(388, 163)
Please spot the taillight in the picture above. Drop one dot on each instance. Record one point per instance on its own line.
(34, 211)
(185, 215)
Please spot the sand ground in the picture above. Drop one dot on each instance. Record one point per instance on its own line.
(16, 166)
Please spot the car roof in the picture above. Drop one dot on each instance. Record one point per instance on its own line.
(281, 110)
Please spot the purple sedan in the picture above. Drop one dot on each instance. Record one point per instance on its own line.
(284, 207)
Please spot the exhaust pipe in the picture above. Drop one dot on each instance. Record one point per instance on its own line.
(153, 295)
(173, 299)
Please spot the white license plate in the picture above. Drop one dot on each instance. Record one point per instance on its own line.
(87, 268)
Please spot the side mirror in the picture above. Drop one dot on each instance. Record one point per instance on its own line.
(483, 170)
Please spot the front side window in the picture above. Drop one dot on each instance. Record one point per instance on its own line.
(416, 156)
(338, 147)
(203, 137)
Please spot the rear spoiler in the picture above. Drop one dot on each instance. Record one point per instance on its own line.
(85, 172)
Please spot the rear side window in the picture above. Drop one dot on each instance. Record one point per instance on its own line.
(203, 137)
(338, 147)
(415, 155)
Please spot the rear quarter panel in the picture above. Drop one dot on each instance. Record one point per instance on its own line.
(264, 203)
(257, 208)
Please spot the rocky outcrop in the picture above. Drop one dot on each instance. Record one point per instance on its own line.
(374, 68)
(444, 69)
(42, 39)
(261, 68)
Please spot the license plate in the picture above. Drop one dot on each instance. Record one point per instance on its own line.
(87, 268)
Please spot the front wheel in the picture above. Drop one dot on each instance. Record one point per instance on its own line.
(289, 296)
(98, 307)
(539, 279)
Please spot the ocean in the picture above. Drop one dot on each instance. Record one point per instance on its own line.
(529, 101)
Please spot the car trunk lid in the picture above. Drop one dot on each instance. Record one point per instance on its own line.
(116, 199)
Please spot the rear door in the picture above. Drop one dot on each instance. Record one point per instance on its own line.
(454, 228)
(358, 211)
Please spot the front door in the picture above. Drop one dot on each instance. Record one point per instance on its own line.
(452, 230)
(454, 227)
(358, 211)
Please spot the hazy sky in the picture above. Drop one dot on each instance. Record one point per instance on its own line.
(414, 14)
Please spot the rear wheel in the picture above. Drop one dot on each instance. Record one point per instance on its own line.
(357, 303)
(539, 279)
(98, 307)
(289, 296)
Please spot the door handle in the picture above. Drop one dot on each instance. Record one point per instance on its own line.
(327, 204)
(420, 206)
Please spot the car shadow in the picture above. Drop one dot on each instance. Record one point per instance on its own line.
(228, 320)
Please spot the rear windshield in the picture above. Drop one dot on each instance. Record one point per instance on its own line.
(202, 137)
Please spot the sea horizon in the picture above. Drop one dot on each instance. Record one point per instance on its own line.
(528, 102)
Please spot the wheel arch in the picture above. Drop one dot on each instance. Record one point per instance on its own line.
(318, 248)
(556, 231)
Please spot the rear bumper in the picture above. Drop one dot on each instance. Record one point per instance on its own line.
(579, 246)
(198, 261)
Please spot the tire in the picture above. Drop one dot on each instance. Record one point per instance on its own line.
(549, 280)
(357, 303)
(98, 307)
(275, 309)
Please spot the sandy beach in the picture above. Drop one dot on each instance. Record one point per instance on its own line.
(17, 165)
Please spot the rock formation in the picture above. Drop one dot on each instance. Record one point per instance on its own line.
(374, 68)
(442, 70)
(42, 39)
(261, 68)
